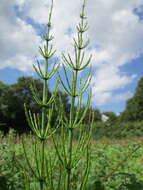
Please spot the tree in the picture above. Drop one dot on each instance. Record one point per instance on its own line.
(12, 98)
(112, 116)
(134, 106)
(4, 91)
(21, 93)
(97, 114)
(138, 100)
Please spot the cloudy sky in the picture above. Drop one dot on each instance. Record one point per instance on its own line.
(116, 41)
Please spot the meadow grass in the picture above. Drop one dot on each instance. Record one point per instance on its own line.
(105, 157)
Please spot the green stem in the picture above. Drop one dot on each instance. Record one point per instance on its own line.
(43, 122)
(42, 164)
(70, 159)
(70, 143)
(37, 124)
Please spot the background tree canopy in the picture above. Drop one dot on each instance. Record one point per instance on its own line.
(134, 106)
(13, 97)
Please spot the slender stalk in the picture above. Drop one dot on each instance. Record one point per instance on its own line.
(42, 165)
(71, 129)
(43, 118)
(68, 157)
(41, 127)
(74, 90)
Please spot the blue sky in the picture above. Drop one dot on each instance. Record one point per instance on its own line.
(116, 35)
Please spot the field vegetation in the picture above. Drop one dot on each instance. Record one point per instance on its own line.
(115, 164)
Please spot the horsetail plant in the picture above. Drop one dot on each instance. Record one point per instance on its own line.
(40, 124)
(70, 156)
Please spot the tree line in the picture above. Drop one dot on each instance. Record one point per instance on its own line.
(13, 97)
(134, 105)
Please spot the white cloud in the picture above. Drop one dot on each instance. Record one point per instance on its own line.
(118, 33)
(115, 33)
(122, 96)
(65, 15)
(18, 40)
(106, 81)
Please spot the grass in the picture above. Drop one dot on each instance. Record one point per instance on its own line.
(106, 154)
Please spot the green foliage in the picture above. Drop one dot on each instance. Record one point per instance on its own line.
(97, 115)
(11, 178)
(112, 117)
(11, 134)
(118, 130)
(40, 122)
(134, 106)
(4, 94)
(12, 115)
(12, 99)
(66, 156)
(69, 154)
(105, 157)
